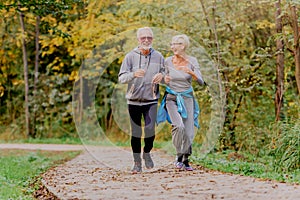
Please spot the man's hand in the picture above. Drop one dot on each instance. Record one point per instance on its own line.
(139, 73)
(157, 78)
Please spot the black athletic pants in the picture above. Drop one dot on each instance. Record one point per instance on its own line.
(137, 114)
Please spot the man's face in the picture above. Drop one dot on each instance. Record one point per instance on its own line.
(145, 39)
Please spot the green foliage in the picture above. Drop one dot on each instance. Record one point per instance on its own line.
(19, 170)
(246, 164)
(51, 100)
(243, 163)
(76, 42)
(285, 147)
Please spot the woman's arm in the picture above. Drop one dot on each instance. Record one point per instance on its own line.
(195, 71)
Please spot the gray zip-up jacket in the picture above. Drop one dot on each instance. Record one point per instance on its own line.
(141, 91)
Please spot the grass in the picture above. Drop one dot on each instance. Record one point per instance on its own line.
(227, 161)
(20, 170)
(247, 165)
(45, 141)
(238, 163)
(99, 141)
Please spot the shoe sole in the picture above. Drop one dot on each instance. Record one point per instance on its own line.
(188, 168)
(135, 172)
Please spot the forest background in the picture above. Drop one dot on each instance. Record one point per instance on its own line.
(60, 61)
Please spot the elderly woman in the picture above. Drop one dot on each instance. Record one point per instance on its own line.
(178, 105)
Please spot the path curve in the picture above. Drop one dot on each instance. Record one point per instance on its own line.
(104, 173)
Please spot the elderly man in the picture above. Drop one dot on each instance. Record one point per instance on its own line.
(142, 69)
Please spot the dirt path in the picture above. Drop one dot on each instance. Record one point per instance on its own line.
(104, 173)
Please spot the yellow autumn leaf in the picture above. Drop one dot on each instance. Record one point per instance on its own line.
(56, 68)
(23, 9)
(265, 24)
(291, 104)
(17, 82)
(71, 52)
(73, 76)
(2, 90)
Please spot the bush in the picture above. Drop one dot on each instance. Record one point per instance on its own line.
(285, 147)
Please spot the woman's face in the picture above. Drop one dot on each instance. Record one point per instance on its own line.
(177, 47)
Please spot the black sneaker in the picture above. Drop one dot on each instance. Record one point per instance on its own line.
(137, 167)
(148, 160)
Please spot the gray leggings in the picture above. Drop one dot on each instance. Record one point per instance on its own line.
(182, 129)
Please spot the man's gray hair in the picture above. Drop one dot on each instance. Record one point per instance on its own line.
(143, 29)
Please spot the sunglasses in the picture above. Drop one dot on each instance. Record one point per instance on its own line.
(148, 38)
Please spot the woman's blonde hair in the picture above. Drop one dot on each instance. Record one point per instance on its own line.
(184, 39)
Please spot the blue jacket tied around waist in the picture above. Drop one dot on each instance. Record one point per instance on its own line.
(162, 114)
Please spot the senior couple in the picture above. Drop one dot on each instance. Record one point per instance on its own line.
(143, 69)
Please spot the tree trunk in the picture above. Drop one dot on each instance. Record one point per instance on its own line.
(36, 68)
(211, 37)
(81, 96)
(295, 27)
(37, 52)
(25, 63)
(279, 65)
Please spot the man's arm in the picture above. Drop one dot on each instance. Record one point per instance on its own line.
(125, 74)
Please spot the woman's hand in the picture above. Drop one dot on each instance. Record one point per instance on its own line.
(188, 71)
(167, 79)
